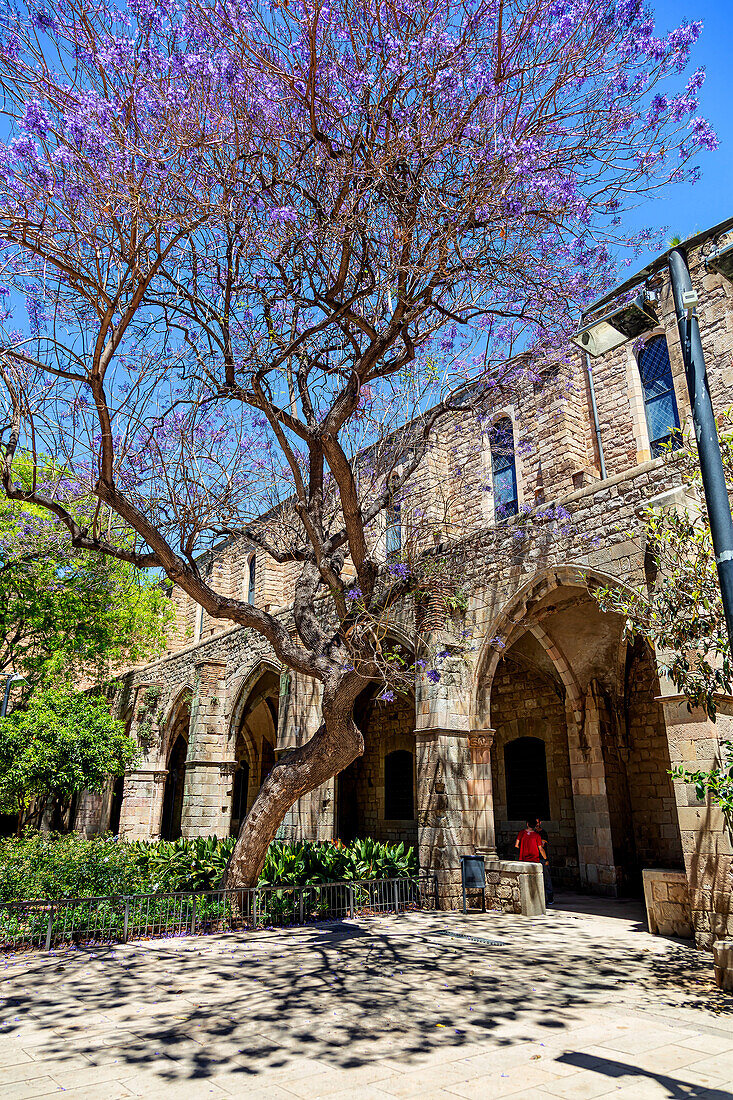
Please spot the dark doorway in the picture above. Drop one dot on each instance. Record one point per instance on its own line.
(240, 787)
(116, 804)
(173, 796)
(525, 767)
(399, 799)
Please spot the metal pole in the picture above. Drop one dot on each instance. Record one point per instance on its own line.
(6, 697)
(706, 434)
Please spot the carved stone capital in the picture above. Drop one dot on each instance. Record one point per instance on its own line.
(228, 767)
(484, 738)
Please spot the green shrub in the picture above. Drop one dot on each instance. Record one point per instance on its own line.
(49, 866)
(196, 864)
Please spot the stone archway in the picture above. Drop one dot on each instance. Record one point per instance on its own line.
(254, 740)
(176, 753)
(557, 678)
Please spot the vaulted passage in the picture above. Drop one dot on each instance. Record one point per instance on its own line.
(580, 742)
(170, 822)
(255, 740)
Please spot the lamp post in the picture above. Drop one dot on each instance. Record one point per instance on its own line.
(632, 319)
(10, 680)
(706, 432)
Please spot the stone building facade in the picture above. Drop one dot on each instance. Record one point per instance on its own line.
(542, 702)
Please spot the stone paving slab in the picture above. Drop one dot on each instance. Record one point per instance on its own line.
(576, 1005)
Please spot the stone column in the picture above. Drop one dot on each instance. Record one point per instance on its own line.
(590, 799)
(207, 792)
(481, 792)
(142, 804)
(446, 783)
(144, 786)
(694, 743)
(445, 810)
(312, 817)
(90, 813)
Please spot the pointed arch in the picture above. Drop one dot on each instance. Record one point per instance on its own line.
(517, 618)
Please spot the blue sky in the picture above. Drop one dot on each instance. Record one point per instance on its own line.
(687, 209)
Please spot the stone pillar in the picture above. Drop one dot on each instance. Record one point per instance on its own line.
(446, 782)
(142, 804)
(694, 743)
(481, 793)
(590, 799)
(91, 817)
(144, 786)
(312, 817)
(207, 792)
(445, 811)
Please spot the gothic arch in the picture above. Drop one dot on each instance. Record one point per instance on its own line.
(247, 683)
(516, 619)
(182, 697)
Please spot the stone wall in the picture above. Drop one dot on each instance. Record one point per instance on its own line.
(656, 827)
(387, 726)
(513, 887)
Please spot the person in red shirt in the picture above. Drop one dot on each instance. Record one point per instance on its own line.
(531, 848)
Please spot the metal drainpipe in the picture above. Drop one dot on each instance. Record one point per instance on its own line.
(706, 433)
(596, 425)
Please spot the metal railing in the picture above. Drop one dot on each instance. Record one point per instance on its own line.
(25, 925)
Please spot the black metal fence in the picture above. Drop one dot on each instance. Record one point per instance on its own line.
(27, 925)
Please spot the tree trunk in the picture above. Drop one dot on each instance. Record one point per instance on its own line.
(332, 748)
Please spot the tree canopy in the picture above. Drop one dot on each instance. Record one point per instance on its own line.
(62, 743)
(251, 239)
(66, 612)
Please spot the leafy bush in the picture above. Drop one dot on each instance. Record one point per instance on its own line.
(195, 864)
(305, 863)
(47, 865)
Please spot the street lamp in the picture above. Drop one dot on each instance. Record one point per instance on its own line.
(722, 262)
(12, 679)
(625, 326)
(616, 327)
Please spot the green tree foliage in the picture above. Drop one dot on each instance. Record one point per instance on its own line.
(678, 608)
(61, 743)
(68, 612)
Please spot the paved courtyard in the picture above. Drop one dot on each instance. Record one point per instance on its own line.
(581, 1004)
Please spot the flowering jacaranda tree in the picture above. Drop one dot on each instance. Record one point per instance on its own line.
(243, 241)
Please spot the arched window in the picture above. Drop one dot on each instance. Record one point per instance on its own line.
(393, 543)
(503, 468)
(660, 403)
(525, 768)
(198, 627)
(393, 524)
(399, 800)
(252, 579)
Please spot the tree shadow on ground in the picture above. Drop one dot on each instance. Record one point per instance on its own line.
(344, 995)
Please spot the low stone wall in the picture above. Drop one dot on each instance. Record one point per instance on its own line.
(515, 887)
(667, 898)
(723, 962)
